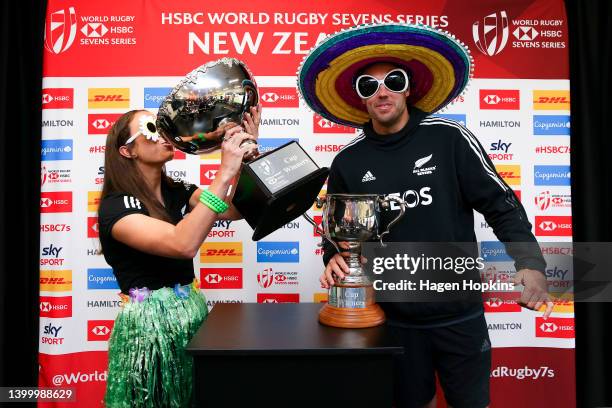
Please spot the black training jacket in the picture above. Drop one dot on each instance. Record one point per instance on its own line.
(443, 173)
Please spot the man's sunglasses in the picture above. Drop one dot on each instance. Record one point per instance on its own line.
(396, 81)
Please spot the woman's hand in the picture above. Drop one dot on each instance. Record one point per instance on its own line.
(232, 152)
(252, 120)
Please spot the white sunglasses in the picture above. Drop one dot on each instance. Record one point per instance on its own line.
(396, 80)
(147, 128)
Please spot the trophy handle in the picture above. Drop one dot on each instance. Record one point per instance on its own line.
(385, 203)
(321, 231)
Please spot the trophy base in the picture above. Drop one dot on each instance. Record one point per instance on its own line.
(348, 318)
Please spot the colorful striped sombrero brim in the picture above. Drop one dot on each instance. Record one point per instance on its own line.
(440, 67)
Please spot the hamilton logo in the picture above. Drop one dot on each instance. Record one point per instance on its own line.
(101, 124)
(270, 97)
(491, 34)
(213, 278)
(60, 30)
(100, 330)
(525, 33)
(548, 226)
(548, 327)
(94, 30)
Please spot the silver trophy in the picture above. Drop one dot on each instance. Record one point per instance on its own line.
(353, 218)
(208, 98)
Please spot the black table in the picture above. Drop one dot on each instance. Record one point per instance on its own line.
(278, 355)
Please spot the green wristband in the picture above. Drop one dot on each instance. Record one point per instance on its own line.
(213, 202)
(202, 137)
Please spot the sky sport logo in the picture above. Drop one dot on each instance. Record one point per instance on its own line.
(500, 99)
(491, 34)
(60, 30)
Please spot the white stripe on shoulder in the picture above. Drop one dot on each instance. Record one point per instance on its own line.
(353, 142)
(473, 143)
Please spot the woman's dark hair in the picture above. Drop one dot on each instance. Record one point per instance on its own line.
(122, 175)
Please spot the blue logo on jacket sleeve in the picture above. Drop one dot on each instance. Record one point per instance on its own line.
(278, 252)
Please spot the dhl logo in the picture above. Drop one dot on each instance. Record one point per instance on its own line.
(221, 252)
(215, 155)
(320, 298)
(511, 173)
(564, 303)
(108, 98)
(56, 281)
(551, 100)
(93, 200)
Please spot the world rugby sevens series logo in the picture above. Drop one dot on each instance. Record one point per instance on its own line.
(60, 30)
(491, 34)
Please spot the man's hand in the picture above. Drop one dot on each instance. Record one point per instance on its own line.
(535, 292)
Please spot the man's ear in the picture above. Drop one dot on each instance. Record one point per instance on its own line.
(125, 152)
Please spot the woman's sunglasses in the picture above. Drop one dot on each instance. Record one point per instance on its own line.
(396, 81)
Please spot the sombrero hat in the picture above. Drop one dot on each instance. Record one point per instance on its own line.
(439, 65)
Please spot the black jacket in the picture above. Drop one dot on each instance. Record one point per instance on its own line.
(443, 173)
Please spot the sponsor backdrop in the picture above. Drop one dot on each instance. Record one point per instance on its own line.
(104, 59)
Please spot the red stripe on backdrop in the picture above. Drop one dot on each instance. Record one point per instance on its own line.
(519, 39)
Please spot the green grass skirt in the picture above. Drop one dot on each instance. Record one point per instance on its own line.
(147, 362)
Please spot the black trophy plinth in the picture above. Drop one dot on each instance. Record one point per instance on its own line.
(277, 187)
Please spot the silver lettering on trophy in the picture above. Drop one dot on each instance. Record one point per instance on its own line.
(283, 167)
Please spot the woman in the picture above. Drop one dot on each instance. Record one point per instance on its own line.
(151, 227)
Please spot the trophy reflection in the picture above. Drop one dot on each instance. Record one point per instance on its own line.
(353, 219)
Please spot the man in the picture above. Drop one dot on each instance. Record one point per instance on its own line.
(443, 173)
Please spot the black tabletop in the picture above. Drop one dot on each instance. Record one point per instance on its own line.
(281, 329)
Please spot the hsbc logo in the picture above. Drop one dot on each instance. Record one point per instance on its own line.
(505, 99)
(553, 226)
(94, 30)
(279, 97)
(501, 302)
(100, 124)
(525, 33)
(60, 30)
(56, 202)
(99, 330)
(221, 278)
(93, 228)
(57, 98)
(322, 125)
(491, 34)
(555, 327)
(56, 306)
(208, 172)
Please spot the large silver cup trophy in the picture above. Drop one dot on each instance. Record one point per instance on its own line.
(273, 188)
(353, 218)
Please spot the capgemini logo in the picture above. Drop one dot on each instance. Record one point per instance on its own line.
(60, 30)
(491, 35)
